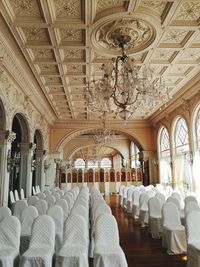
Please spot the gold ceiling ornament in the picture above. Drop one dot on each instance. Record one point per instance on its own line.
(140, 34)
(125, 87)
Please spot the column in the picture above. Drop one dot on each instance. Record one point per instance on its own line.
(5, 148)
(25, 168)
(39, 166)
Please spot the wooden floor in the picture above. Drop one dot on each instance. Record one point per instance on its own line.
(140, 249)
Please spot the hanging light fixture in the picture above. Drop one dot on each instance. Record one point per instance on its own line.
(125, 87)
(103, 135)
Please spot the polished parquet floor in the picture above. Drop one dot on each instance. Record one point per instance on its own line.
(140, 249)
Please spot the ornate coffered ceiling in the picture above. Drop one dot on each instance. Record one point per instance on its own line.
(66, 41)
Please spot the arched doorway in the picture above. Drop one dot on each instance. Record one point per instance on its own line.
(19, 168)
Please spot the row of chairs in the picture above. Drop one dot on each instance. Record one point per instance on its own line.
(21, 196)
(105, 247)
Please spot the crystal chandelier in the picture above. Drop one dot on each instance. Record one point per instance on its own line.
(103, 135)
(125, 87)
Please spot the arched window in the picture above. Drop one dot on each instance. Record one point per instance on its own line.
(106, 163)
(79, 163)
(92, 164)
(164, 157)
(197, 129)
(182, 166)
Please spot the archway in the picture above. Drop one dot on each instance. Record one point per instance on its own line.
(19, 154)
(3, 135)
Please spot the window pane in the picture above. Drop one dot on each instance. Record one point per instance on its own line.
(181, 133)
(79, 163)
(105, 163)
(164, 140)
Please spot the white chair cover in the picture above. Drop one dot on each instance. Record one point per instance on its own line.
(102, 209)
(33, 190)
(74, 252)
(155, 216)
(83, 211)
(129, 200)
(161, 198)
(41, 249)
(47, 192)
(69, 199)
(22, 193)
(9, 241)
(42, 206)
(56, 212)
(135, 204)
(32, 200)
(18, 207)
(4, 212)
(56, 195)
(12, 198)
(41, 195)
(193, 239)
(124, 202)
(174, 238)
(16, 195)
(63, 204)
(190, 206)
(121, 189)
(27, 217)
(107, 251)
(143, 206)
(50, 200)
(190, 198)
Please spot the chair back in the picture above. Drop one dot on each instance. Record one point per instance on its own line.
(32, 200)
(10, 232)
(50, 200)
(22, 193)
(175, 201)
(155, 208)
(43, 233)
(106, 231)
(191, 205)
(27, 218)
(19, 206)
(12, 198)
(190, 198)
(4, 212)
(170, 214)
(192, 227)
(16, 195)
(63, 204)
(41, 195)
(42, 206)
(136, 196)
(75, 231)
(56, 213)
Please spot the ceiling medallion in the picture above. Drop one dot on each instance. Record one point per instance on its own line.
(139, 33)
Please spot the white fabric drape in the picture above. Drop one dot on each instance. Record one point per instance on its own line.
(196, 174)
(165, 171)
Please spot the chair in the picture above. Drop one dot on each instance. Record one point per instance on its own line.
(63, 204)
(174, 238)
(102, 209)
(56, 195)
(50, 200)
(16, 195)
(129, 200)
(135, 204)
(27, 217)
(143, 206)
(4, 212)
(12, 198)
(41, 248)
(19, 206)
(107, 251)
(190, 198)
(155, 216)
(56, 214)
(74, 252)
(121, 189)
(41, 195)
(33, 190)
(42, 206)
(9, 241)
(161, 198)
(32, 200)
(193, 238)
(22, 193)
(190, 206)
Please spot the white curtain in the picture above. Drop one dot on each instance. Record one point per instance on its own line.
(196, 174)
(165, 171)
(183, 172)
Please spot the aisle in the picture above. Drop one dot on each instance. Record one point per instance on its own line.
(140, 249)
